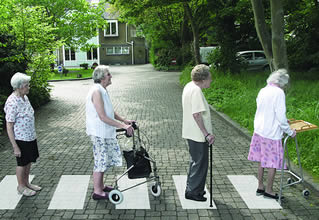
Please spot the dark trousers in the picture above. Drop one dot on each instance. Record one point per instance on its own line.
(198, 167)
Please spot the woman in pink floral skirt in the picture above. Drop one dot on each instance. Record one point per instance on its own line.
(269, 125)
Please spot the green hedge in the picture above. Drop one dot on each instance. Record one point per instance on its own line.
(235, 96)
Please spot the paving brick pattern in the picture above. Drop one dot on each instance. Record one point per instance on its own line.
(153, 99)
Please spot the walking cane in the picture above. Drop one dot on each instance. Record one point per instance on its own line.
(211, 175)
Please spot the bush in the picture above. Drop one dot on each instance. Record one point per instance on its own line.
(84, 65)
(3, 99)
(224, 61)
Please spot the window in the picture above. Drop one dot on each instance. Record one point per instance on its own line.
(92, 54)
(112, 29)
(259, 55)
(69, 54)
(247, 56)
(117, 50)
(133, 32)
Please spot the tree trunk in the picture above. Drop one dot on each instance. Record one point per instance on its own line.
(278, 39)
(195, 32)
(262, 30)
(183, 36)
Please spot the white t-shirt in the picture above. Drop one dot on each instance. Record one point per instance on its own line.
(270, 118)
(94, 125)
(193, 101)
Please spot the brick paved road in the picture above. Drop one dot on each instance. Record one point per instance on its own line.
(154, 100)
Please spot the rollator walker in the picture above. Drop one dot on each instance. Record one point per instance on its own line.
(138, 164)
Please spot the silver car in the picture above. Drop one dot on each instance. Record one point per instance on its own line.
(254, 59)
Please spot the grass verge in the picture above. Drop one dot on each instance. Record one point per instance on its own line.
(72, 74)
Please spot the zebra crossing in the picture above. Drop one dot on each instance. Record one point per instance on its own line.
(71, 193)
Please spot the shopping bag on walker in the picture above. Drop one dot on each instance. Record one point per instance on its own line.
(141, 165)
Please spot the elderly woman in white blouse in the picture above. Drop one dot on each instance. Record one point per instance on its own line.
(269, 125)
(101, 124)
(21, 132)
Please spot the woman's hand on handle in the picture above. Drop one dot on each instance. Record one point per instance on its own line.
(129, 122)
(129, 129)
(210, 139)
(294, 133)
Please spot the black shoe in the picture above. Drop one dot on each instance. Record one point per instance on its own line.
(108, 189)
(203, 193)
(269, 196)
(99, 197)
(260, 192)
(198, 198)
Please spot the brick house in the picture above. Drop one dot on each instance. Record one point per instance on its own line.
(118, 45)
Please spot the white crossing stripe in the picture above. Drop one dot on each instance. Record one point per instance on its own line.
(70, 192)
(180, 184)
(9, 195)
(135, 198)
(246, 185)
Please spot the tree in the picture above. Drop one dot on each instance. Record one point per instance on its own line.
(272, 39)
(302, 35)
(160, 24)
(75, 21)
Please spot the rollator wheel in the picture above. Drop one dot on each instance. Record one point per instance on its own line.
(155, 189)
(116, 197)
(305, 193)
(289, 180)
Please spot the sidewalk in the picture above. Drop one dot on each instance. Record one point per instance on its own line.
(154, 100)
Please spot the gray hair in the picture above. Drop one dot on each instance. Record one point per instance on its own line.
(99, 72)
(200, 72)
(18, 80)
(279, 77)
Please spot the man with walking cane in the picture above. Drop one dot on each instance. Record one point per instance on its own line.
(197, 129)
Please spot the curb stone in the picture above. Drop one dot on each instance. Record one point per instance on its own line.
(58, 80)
(309, 181)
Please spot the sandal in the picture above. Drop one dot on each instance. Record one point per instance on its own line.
(34, 187)
(26, 191)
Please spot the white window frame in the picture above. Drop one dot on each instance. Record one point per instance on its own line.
(92, 53)
(110, 28)
(70, 54)
(124, 50)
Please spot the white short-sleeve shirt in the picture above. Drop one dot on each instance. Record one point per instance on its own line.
(270, 118)
(21, 113)
(193, 101)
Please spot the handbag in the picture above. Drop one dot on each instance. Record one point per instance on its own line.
(141, 165)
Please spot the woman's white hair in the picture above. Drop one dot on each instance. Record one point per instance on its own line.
(279, 77)
(18, 80)
(200, 72)
(98, 73)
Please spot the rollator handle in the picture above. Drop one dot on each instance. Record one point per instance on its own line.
(123, 129)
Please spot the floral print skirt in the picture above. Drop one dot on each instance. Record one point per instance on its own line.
(106, 152)
(268, 152)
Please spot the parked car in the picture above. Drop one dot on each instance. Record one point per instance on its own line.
(254, 59)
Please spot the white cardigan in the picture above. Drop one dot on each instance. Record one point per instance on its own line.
(270, 118)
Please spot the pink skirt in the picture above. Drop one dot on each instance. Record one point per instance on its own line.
(268, 152)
